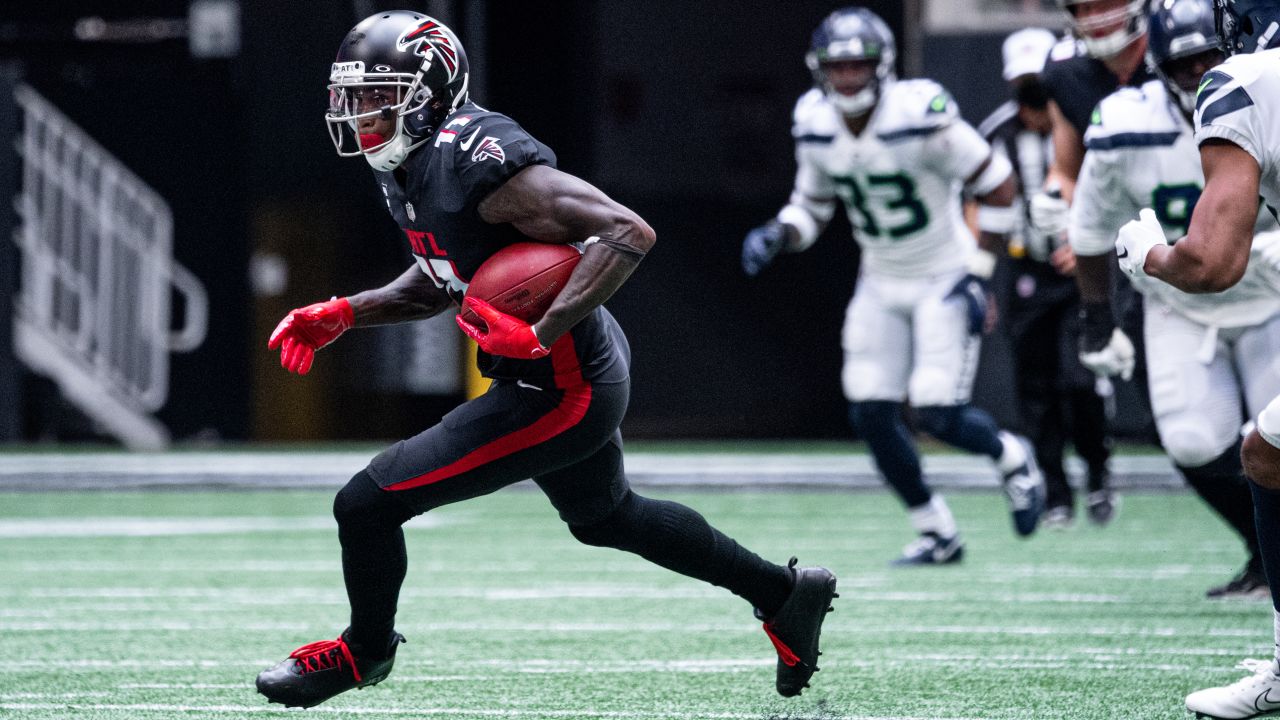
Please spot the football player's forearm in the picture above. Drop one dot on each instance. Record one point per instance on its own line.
(603, 269)
(412, 296)
(1093, 277)
(1215, 253)
(995, 216)
(1188, 267)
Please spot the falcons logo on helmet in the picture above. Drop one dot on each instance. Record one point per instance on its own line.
(427, 36)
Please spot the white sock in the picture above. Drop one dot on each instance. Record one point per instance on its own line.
(1014, 453)
(935, 517)
(1276, 625)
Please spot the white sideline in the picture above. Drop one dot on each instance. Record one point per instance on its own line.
(654, 469)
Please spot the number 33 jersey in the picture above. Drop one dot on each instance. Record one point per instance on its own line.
(899, 180)
(1141, 153)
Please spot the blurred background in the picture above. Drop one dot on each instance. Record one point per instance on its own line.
(175, 193)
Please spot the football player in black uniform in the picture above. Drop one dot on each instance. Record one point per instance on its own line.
(1040, 303)
(1108, 51)
(463, 182)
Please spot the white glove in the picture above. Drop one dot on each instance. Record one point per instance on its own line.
(1049, 212)
(1115, 358)
(1135, 240)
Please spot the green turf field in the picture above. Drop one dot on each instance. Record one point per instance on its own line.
(165, 605)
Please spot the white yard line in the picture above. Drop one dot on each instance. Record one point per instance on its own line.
(638, 627)
(435, 711)
(568, 591)
(151, 526)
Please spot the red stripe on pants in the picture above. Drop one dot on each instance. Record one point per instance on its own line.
(573, 406)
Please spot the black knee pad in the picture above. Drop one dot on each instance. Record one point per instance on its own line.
(939, 420)
(615, 529)
(361, 503)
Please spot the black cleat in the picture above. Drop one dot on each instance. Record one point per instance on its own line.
(1102, 506)
(795, 629)
(316, 672)
(1251, 583)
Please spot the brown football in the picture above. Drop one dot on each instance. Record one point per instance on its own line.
(522, 279)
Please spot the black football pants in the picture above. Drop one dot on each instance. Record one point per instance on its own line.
(567, 440)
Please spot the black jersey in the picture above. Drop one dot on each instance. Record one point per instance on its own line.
(1077, 82)
(434, 198)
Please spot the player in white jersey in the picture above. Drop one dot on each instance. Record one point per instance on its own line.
(1237, 123)
(1204, 353)
(897, 154)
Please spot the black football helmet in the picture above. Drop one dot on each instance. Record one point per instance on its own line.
(1182, 45)
(1246, 25)
(852, 34)
(1129, 21)
(399, 65)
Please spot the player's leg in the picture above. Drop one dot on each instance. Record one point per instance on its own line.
(1259, 692)
(510, 433)
(877, 357)
(1092, 442)
(1195, 399)
(945, 363)
(1255, 353)
(1034, 331)
(1261, 455)
(592, 496)
(1086, 418)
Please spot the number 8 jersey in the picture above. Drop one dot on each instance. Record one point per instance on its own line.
(1141, 153)
(900, 180)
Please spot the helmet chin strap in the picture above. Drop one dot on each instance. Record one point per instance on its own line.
(1186, 100)
(389, 156)
(1105, 47)
(856, 104)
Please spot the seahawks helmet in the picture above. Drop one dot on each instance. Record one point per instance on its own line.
(398, 65)
(1127, 23)
(1247, 25)
(852, 34)
(1182, 44)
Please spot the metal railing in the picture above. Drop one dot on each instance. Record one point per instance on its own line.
(94, 308)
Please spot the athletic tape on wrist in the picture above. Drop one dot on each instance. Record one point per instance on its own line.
(1268, 425)
(997, 220)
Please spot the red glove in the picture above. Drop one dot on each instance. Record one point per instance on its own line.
(507, 336)
(304, 331)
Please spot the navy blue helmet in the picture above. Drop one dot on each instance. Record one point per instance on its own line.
(852, 34)
(1182, 44)
(1247, 25)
